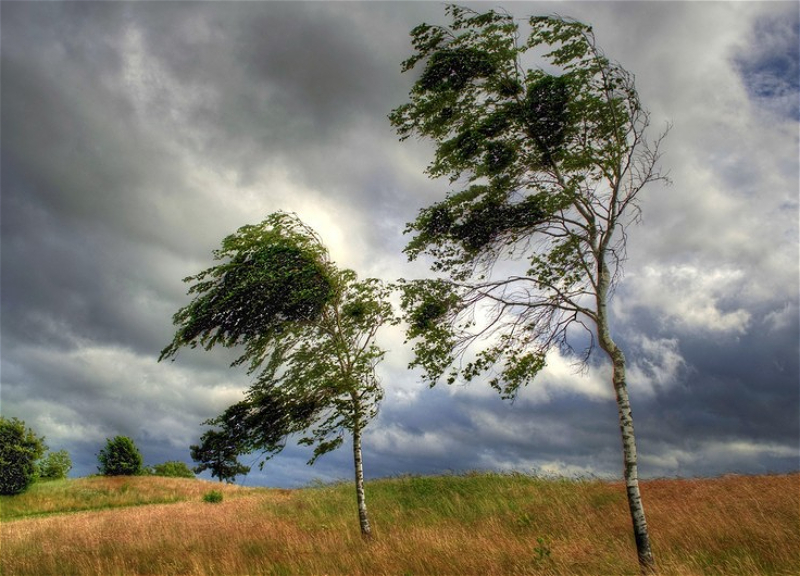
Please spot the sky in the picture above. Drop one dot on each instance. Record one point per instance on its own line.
(136, 135)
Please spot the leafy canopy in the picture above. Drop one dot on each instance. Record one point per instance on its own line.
(20, 448)
(273, 278)
(55, 465)
(307, 330)
(120, 457)
(218, 452)
(547, 163)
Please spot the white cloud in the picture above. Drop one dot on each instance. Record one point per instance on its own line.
(714, 454)
(97, 390)
(783, 317)
(403, 443)
(687, 297)
(562, 469)
(58, 423)
(655, 365)
(561, 376)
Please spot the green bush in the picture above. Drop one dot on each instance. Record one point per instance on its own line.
(213, 497)
(172, 469)
(120, 457)
(20, 448)
(55, 465)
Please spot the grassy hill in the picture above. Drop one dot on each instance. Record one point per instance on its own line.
(471, 524)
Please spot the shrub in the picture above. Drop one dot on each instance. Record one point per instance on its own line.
(213, 497)
(55, 465)
(172, 469)
(20, 448)
(120, 457)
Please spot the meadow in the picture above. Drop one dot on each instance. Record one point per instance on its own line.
(491, 524)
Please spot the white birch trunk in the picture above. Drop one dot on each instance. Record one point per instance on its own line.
(631, 470)
(363, 519)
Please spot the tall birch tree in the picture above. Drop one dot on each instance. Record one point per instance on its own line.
(548, 162)
(306, 329)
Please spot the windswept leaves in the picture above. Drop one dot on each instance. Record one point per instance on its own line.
(306, 329)
(430, 307)
(218, 452)
(547, 159)
(545, 114)
(477, 223)
(261, 423)
(273, 277)
(452, 69)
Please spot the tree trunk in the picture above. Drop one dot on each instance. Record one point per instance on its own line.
(363, 519)
(640, 532)
(645, 554)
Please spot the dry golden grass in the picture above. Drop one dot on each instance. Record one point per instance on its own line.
(98, 492)
(476, 524)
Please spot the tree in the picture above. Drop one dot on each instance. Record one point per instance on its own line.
(20, 448)
(55, 465)
(307, 328)
(551, 161)
(171, 469)
(217, 453)
(120, 457)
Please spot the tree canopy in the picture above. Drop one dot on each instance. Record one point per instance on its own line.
(218, 452)
(120, 457)
(274, 279)
(549, 160)
(20, 448)
(55, 465)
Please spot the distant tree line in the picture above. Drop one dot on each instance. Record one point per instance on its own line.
(121, 457)
(26, 459)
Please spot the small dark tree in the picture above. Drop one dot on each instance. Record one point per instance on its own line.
(307, 328)
(20, 448)
(218, 452)
(552, 160)
(55, 465)
(120, 457)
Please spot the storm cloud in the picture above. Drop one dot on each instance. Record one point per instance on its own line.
(135, 136)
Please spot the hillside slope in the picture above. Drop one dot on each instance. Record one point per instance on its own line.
(102, 492)
(472, 524)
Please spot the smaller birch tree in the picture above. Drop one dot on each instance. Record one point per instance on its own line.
(306, 329)
(551, 161)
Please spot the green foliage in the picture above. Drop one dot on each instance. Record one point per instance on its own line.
(307, 330)
(431, 307)
(550, 160)
(120, 457)
(213, 497)
(171, 469)
(542, 551)
(218, 452)
(55, 465)
(274, 278)
(20, 448)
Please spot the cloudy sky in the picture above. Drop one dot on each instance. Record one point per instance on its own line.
(135, 136)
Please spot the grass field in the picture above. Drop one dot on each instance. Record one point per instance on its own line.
(472, 524)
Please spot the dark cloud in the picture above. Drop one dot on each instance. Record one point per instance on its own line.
(770, 66)
(135, 136)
